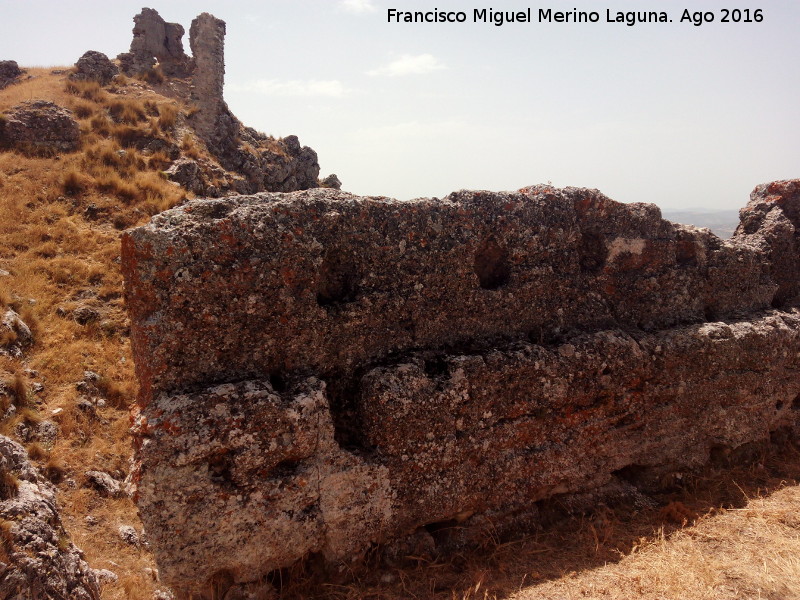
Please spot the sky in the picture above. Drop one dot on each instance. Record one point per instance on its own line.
(685, 116)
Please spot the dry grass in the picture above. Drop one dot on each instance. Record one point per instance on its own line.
(167, 117)
(62, 255)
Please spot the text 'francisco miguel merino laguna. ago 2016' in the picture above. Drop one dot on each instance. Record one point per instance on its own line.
(548, 15)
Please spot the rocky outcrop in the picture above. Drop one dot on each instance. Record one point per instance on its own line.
(40, 126)
(262, 163)
(95, 66)
(155, 42)
(322, 372)
(37, 559)
(15, 335)
(9, 72)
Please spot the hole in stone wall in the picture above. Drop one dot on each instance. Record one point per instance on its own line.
(219, 467)
(278, 382)
(285, 468)
(436, 367)
(439, 526)
(491, 265)
(633, 474)
(796, 403)
(686, 253)
(343, 399)
(338, 279)
(593, 252)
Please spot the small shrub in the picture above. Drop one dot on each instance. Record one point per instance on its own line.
(9, 485)
(153, 76)
(127, 110)
(87, 89)
(73, 182)
(6, 540)
(167, 116)
(54, 470)
(83, 110)
(37, 452)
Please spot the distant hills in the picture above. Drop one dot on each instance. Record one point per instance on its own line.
(721, 222)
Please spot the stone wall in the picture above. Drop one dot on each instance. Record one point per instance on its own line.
(322, 372)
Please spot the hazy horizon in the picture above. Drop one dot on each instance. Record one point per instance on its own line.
(687, 117)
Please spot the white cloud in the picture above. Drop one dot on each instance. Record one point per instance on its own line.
(358, 7)
(295, 87)
(409, 64)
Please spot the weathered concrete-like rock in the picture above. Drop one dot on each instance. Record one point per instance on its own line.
(186, 173)
(352, 280)
(94, 66)
(41, 126)
(322, 372)
(9, 72)
(15, 335)
(155, 40)
(40, 562)
(473, 434)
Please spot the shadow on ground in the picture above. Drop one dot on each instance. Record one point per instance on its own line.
(567, 546)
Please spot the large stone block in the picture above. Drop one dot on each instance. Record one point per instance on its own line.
(322, 372)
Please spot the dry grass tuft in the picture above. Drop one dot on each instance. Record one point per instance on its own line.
(127, 110)
(83, 110)
(87, 89)
(54, 470)
(6, 540)
(190, 148)
(73, 182)
(153, 76)
(37, 452)
(19, 390)
(167, 117)
(9, 485)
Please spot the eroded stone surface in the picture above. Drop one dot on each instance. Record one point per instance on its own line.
(262, 163)
(41, 125)
(155, 41)
(322, 372)
(38, 561)
(9, 72)
(94, 66)
(352, 280)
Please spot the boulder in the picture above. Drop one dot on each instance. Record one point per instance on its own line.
(9, 72)
(40, 561)
(186, 173)
(41, 125)
(94, 66)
